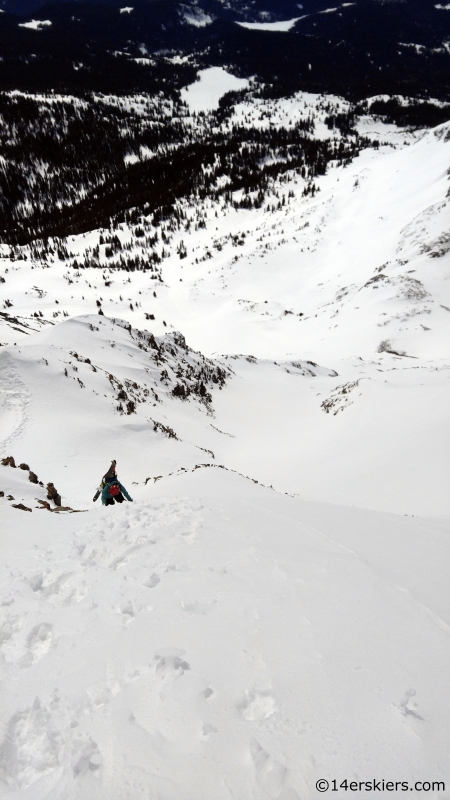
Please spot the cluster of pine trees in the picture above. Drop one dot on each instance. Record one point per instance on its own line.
(74, 164)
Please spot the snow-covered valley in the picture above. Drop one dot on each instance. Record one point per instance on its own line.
(271, 609)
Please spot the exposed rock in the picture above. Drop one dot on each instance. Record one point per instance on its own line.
(43, 503)
(52, 494)
(33, 478)
(46, 506)
(8, 462)
(24, 466)
(21, 507)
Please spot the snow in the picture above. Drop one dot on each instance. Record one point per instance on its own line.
(419, 48)
(282, 26)
(131, 158)
(197, 18)
(213, 83)
(216, 639)
(36, 24)
(272, 608)
(368, 253)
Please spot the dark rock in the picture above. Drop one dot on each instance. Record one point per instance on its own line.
(24, 466)
(8, 462)
(44, 504)
(21, 506)
(52, 494)
(33, 478)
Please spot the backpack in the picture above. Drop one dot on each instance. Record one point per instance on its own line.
(114, 489)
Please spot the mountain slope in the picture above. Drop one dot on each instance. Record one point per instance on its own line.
(270, 611)
(217, 639)
(289, 280)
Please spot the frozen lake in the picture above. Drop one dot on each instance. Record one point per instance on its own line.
(204, 94)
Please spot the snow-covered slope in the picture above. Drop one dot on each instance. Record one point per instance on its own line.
(122, 390)
(86, 389)
(216, 639)
(354, 278)
(269, 611)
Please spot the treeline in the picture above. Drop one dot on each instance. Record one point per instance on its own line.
(415, 115)
(58, 151)
(69, 165)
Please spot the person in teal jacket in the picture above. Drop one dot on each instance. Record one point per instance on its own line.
(110, 489)
(114, 491)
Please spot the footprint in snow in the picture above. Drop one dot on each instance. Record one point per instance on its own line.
(36, 582)
(207, 729)
(169, 662)
(77, 594)
(128, 610)
(32, 747)
(409, 707)
(38, 643)
(59, 592)
(151, 582)
(198, 606)
(257, 705)
(271, 774)
(85, 758)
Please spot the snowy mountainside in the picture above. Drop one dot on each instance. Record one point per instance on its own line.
(119, 371)
(348, 269)
(271, 608)
(124, 389)
(152, 152)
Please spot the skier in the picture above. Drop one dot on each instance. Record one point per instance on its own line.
(109, 476)
(111, 489)
(114, 491)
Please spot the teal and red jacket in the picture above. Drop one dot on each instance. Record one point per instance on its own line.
(106, 493)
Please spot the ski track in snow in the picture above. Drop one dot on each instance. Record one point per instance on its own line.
(14, 401)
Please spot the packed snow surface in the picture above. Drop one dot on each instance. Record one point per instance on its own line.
(213, 83)
(215, 639)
